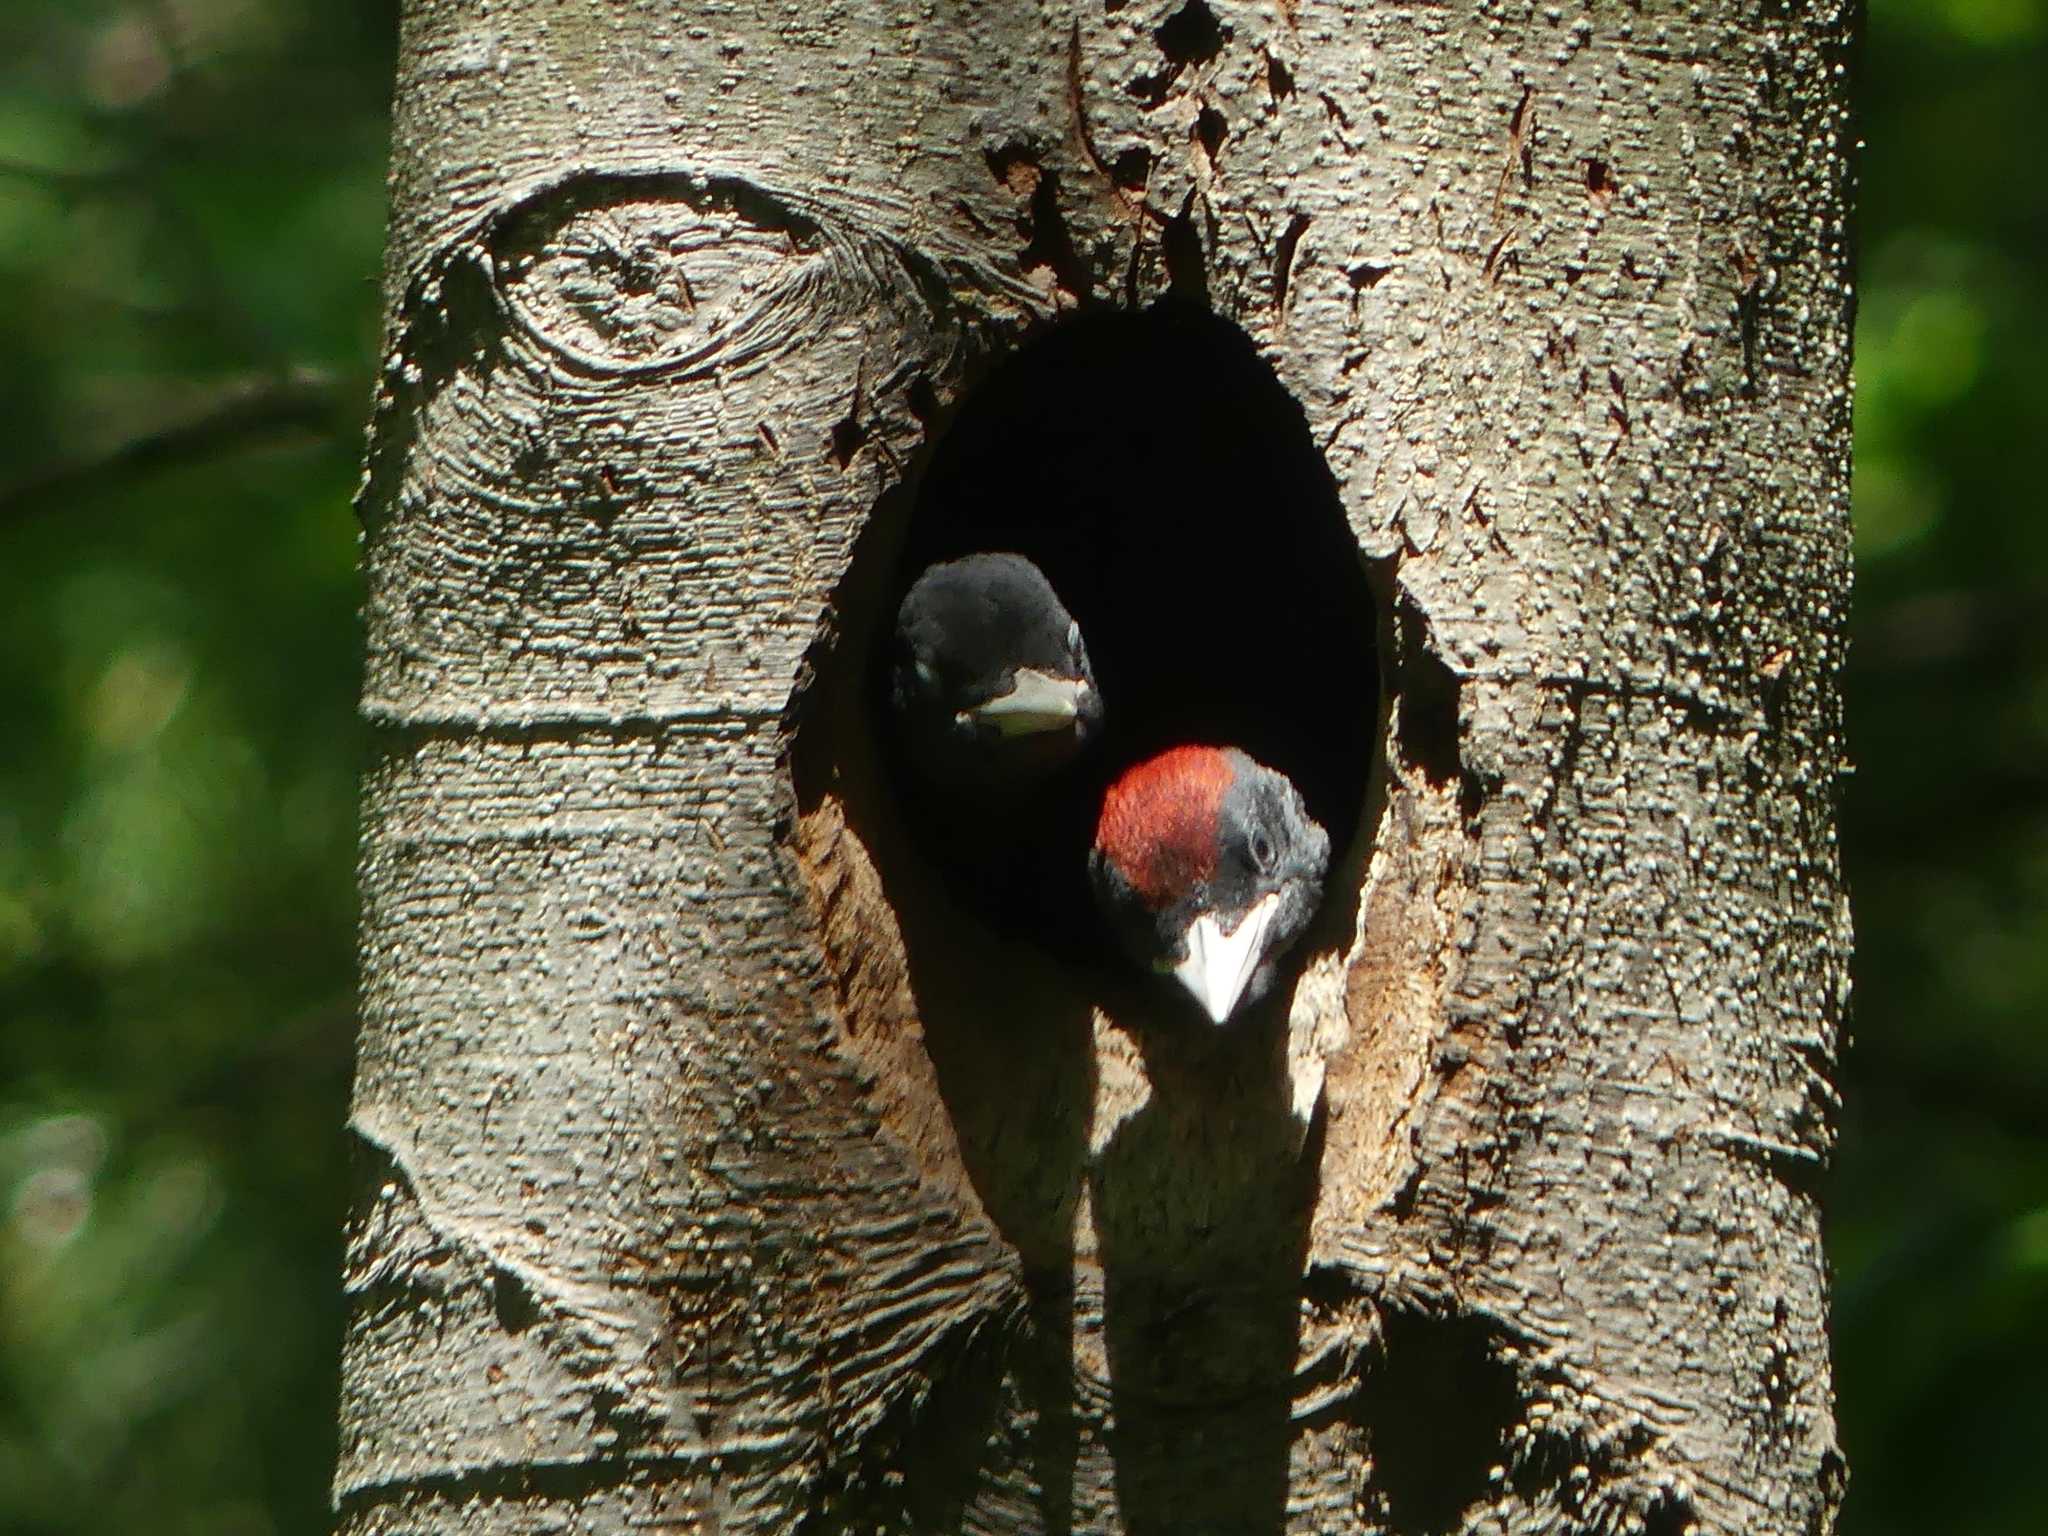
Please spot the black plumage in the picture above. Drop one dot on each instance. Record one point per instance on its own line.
(989, 677)
(1207, 868)
(995, 722)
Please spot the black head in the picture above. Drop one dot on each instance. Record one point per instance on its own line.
(1208, 868)
(989, 678)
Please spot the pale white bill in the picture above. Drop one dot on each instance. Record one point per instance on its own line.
(1219, 965)
(1037, 701)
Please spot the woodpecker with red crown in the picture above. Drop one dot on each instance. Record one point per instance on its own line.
(989, 677)
(1207, 867)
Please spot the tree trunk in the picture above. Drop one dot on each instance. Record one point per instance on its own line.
(719, 1176)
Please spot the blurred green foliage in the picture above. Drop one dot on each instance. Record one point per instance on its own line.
(191, 210)
(191, 215)
(1939, 1210)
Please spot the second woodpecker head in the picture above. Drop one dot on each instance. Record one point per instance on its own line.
(989, 678)
(1207, 866)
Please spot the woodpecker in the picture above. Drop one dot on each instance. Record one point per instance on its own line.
(1206, 867)
(989, 677)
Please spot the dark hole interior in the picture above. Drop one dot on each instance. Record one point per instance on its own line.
(1166, 483)
(1191, 35)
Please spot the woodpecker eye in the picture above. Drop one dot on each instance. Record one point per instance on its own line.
(1261, 847)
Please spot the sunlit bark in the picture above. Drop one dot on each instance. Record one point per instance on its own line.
(690, 1202)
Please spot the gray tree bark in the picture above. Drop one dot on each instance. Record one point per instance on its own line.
(697, 1197)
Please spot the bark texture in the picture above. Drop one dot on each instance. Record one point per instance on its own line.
(711, 1184)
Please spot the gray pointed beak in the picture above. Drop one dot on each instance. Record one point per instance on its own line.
(1037, 701)
(1219, 965)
